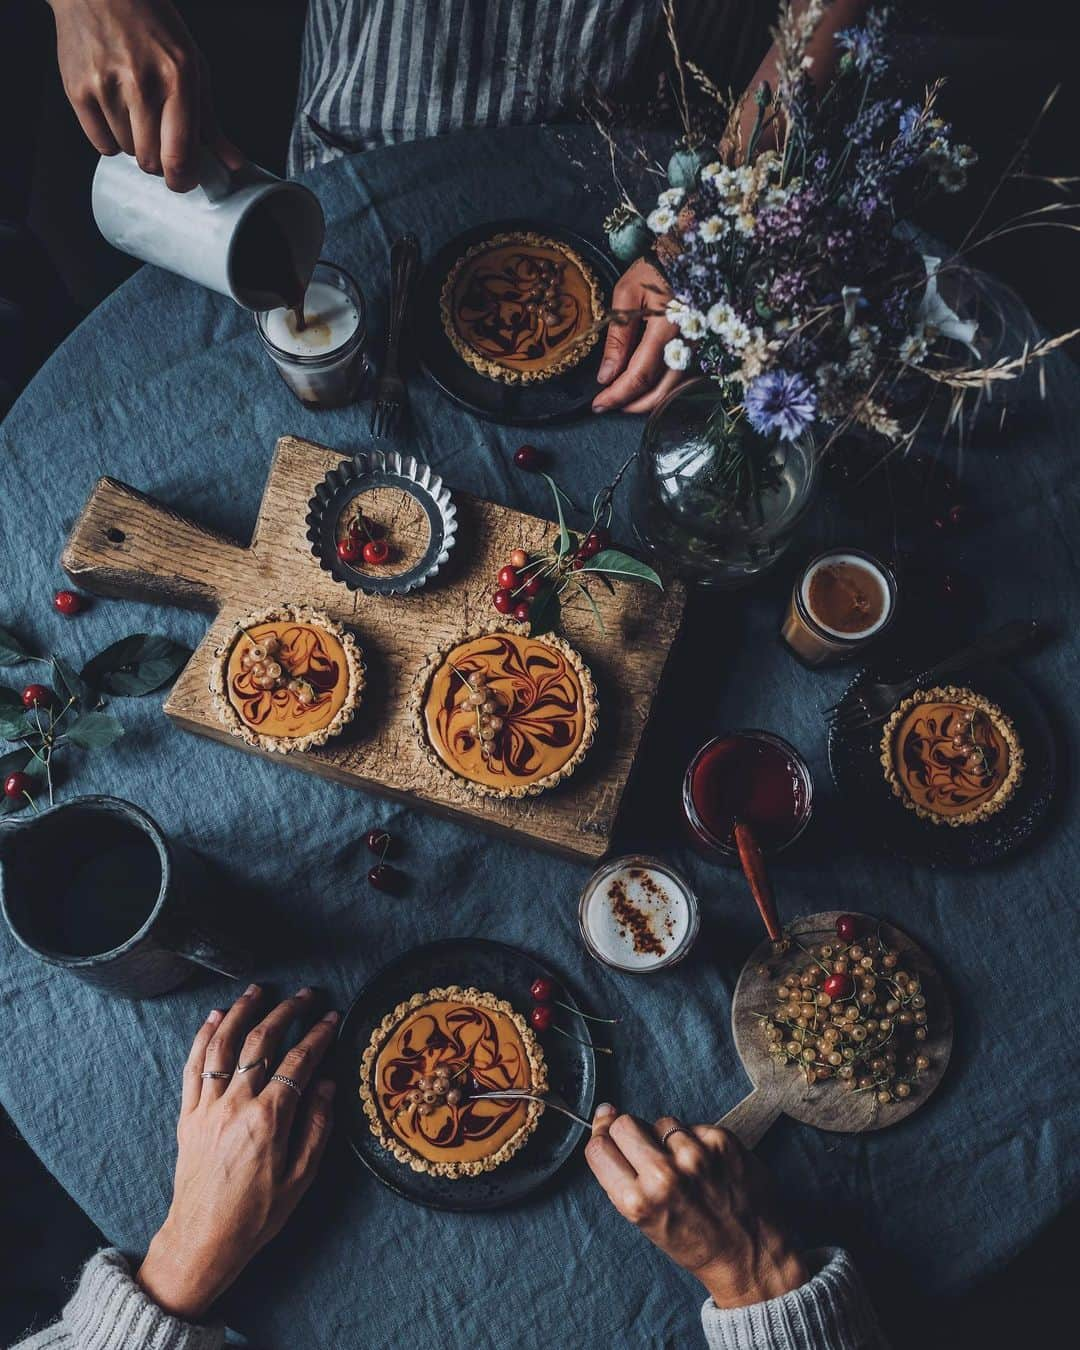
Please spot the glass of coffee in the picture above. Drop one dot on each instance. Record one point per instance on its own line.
(638, 915)
(842, 600)
(319, 343)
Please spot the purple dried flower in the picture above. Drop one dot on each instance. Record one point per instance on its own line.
(780, 402)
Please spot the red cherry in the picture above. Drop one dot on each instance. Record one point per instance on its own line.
(348, 549)
(521, 612)
(503, 601)
(376, 552)
(845, 927)
(578, 563)
(838, 986)
(518, 558)
(542, 989)
(527, 457)
(508, 579)
(37, 696)
(540, 1016)
(601, 535)
(532, 588)
(590, 547)
(380, 842)
(68, 602)
(17, 784)
(383, 878)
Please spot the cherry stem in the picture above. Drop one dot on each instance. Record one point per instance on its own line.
(589, 1017)
(33, 803)
(603, 1049)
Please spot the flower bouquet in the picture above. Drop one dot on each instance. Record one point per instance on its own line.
(798, 286)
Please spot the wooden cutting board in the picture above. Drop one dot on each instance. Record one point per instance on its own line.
(780, 1089)
(126, 544)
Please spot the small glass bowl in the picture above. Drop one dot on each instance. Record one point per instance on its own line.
(709, 843)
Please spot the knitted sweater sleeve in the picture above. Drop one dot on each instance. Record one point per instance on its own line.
(830, 1312)
(108, 1311)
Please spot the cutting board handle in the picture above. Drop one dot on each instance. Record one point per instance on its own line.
(752, 1117)
(127, 544)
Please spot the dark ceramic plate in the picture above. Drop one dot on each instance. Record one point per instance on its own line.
(526, 405)
(507, 973)
(857, 772)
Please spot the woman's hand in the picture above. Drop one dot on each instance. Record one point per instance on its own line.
(702, 1199)
(139, 84)
(249, 1149)
(633, 364)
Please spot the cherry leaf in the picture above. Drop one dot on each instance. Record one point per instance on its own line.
(614, 563)
(94, 731)
(136, 665)
(12, 652)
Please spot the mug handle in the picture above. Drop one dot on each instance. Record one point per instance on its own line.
(198, 946)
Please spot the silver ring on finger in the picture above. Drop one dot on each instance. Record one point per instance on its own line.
(289, 1083)
(216, 1073)
(672, 1129)
(252, 1064)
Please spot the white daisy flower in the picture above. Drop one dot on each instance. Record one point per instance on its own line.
(735, 334)
(677, 354)
(661, 220)
(675, 311)
(913, 349)
(710, 171)
(712, 229)
(671, 196)
(692, 325)
(718, 315)
(745, 222)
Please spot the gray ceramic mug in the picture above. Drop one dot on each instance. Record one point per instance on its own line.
(94, 886)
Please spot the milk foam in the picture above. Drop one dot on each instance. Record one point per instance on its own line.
(331, 318)
(657, 897)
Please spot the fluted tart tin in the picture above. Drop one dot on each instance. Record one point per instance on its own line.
(382, 498)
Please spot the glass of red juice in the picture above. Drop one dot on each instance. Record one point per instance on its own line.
(749, 776)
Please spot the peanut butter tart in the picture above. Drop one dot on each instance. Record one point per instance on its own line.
(423, 1067)
(951, 756)
(521, 307)
(506, 713)
(287, 679)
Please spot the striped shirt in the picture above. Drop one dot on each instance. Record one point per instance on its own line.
(376, 72)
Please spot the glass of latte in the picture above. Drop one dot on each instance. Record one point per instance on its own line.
(319, 343)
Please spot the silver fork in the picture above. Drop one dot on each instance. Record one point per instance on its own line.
(874, 702)
(390, 389)
(550, 1099)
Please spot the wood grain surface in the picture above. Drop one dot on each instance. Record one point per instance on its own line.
(781, 1089)
(127, 544)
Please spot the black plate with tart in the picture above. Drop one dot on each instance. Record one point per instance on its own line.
(457, 1009)
(505, 316)
(962, 773)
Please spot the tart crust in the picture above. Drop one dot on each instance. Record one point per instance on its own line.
(385, 1135)
(435, 662)
(496, 370)
(299, 614)
(1002, 725)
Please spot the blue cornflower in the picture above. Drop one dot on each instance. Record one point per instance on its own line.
(780, 402)
(909, 119)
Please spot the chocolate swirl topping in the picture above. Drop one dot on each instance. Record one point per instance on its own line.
(305, 655)
(476, 1052)
(521, 307)
(539, 700)
(941, 775)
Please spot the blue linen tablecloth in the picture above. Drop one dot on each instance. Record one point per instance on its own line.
(165, 387)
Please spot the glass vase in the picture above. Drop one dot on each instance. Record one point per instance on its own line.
(712, 498)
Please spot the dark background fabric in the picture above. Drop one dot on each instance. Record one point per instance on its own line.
(253, 51)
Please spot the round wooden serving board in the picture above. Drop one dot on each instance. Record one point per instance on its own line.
(781, 1089)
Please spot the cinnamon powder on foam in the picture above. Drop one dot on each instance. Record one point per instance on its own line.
(635, 922)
